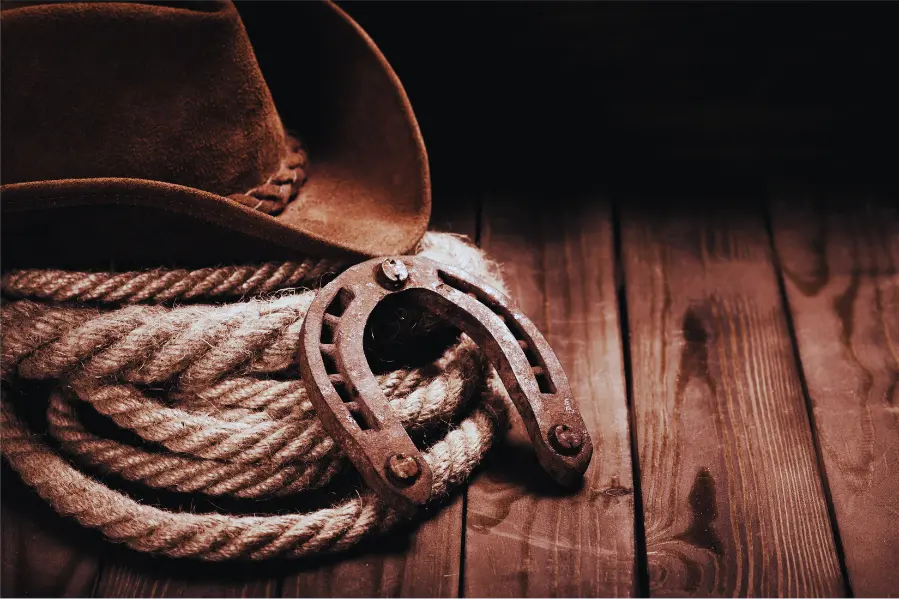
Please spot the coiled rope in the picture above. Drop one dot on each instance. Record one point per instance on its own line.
(211, 403)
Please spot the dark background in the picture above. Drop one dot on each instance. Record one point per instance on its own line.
(575, 95)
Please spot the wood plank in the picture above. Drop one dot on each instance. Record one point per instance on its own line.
(423, 564)
(524, 536)
(44, 555)
(426, 563)
(132, 575)
(840, 262)
(732, 499)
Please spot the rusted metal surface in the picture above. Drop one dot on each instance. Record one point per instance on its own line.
(355, 412)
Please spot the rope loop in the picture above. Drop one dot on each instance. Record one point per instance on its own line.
(208, 401)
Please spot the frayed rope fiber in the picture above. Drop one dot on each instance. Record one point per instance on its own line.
(208, 400)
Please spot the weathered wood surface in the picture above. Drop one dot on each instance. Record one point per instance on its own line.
(141, 576)
(426, 564)
(840, 262)
(732, 499)
(523, 536)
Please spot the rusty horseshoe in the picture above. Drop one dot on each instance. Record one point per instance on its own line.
(354, 411)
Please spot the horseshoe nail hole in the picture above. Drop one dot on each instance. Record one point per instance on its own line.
(330, 362)
(546, 385)
(361, 420)
(530, 354)
(517, 331)
(343, 391)
(340, 302)
(327, 332)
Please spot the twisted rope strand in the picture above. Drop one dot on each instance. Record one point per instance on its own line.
(152, 344)
(215, 536)
(243, 473)
(194, 380)
(181, 473)
(166, 286)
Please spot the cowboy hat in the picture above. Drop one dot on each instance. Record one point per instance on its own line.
(145, 133)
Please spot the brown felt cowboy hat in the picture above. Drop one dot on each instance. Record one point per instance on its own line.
(145, 133)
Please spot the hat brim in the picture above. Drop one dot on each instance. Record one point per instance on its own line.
(368, 191)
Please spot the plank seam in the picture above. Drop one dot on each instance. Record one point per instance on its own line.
(641, 570)
(806, 396)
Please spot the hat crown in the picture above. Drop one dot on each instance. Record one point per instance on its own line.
(170, 93)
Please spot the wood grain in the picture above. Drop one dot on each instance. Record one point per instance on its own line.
(143, 576)
(732, 499)
(426, 562)
(840, 260)
(524, 536)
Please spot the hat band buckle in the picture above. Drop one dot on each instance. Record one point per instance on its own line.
(355, 412)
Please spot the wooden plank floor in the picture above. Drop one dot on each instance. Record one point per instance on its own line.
(732, 500)
(524, 538)
(840, 259)
(739, 373)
